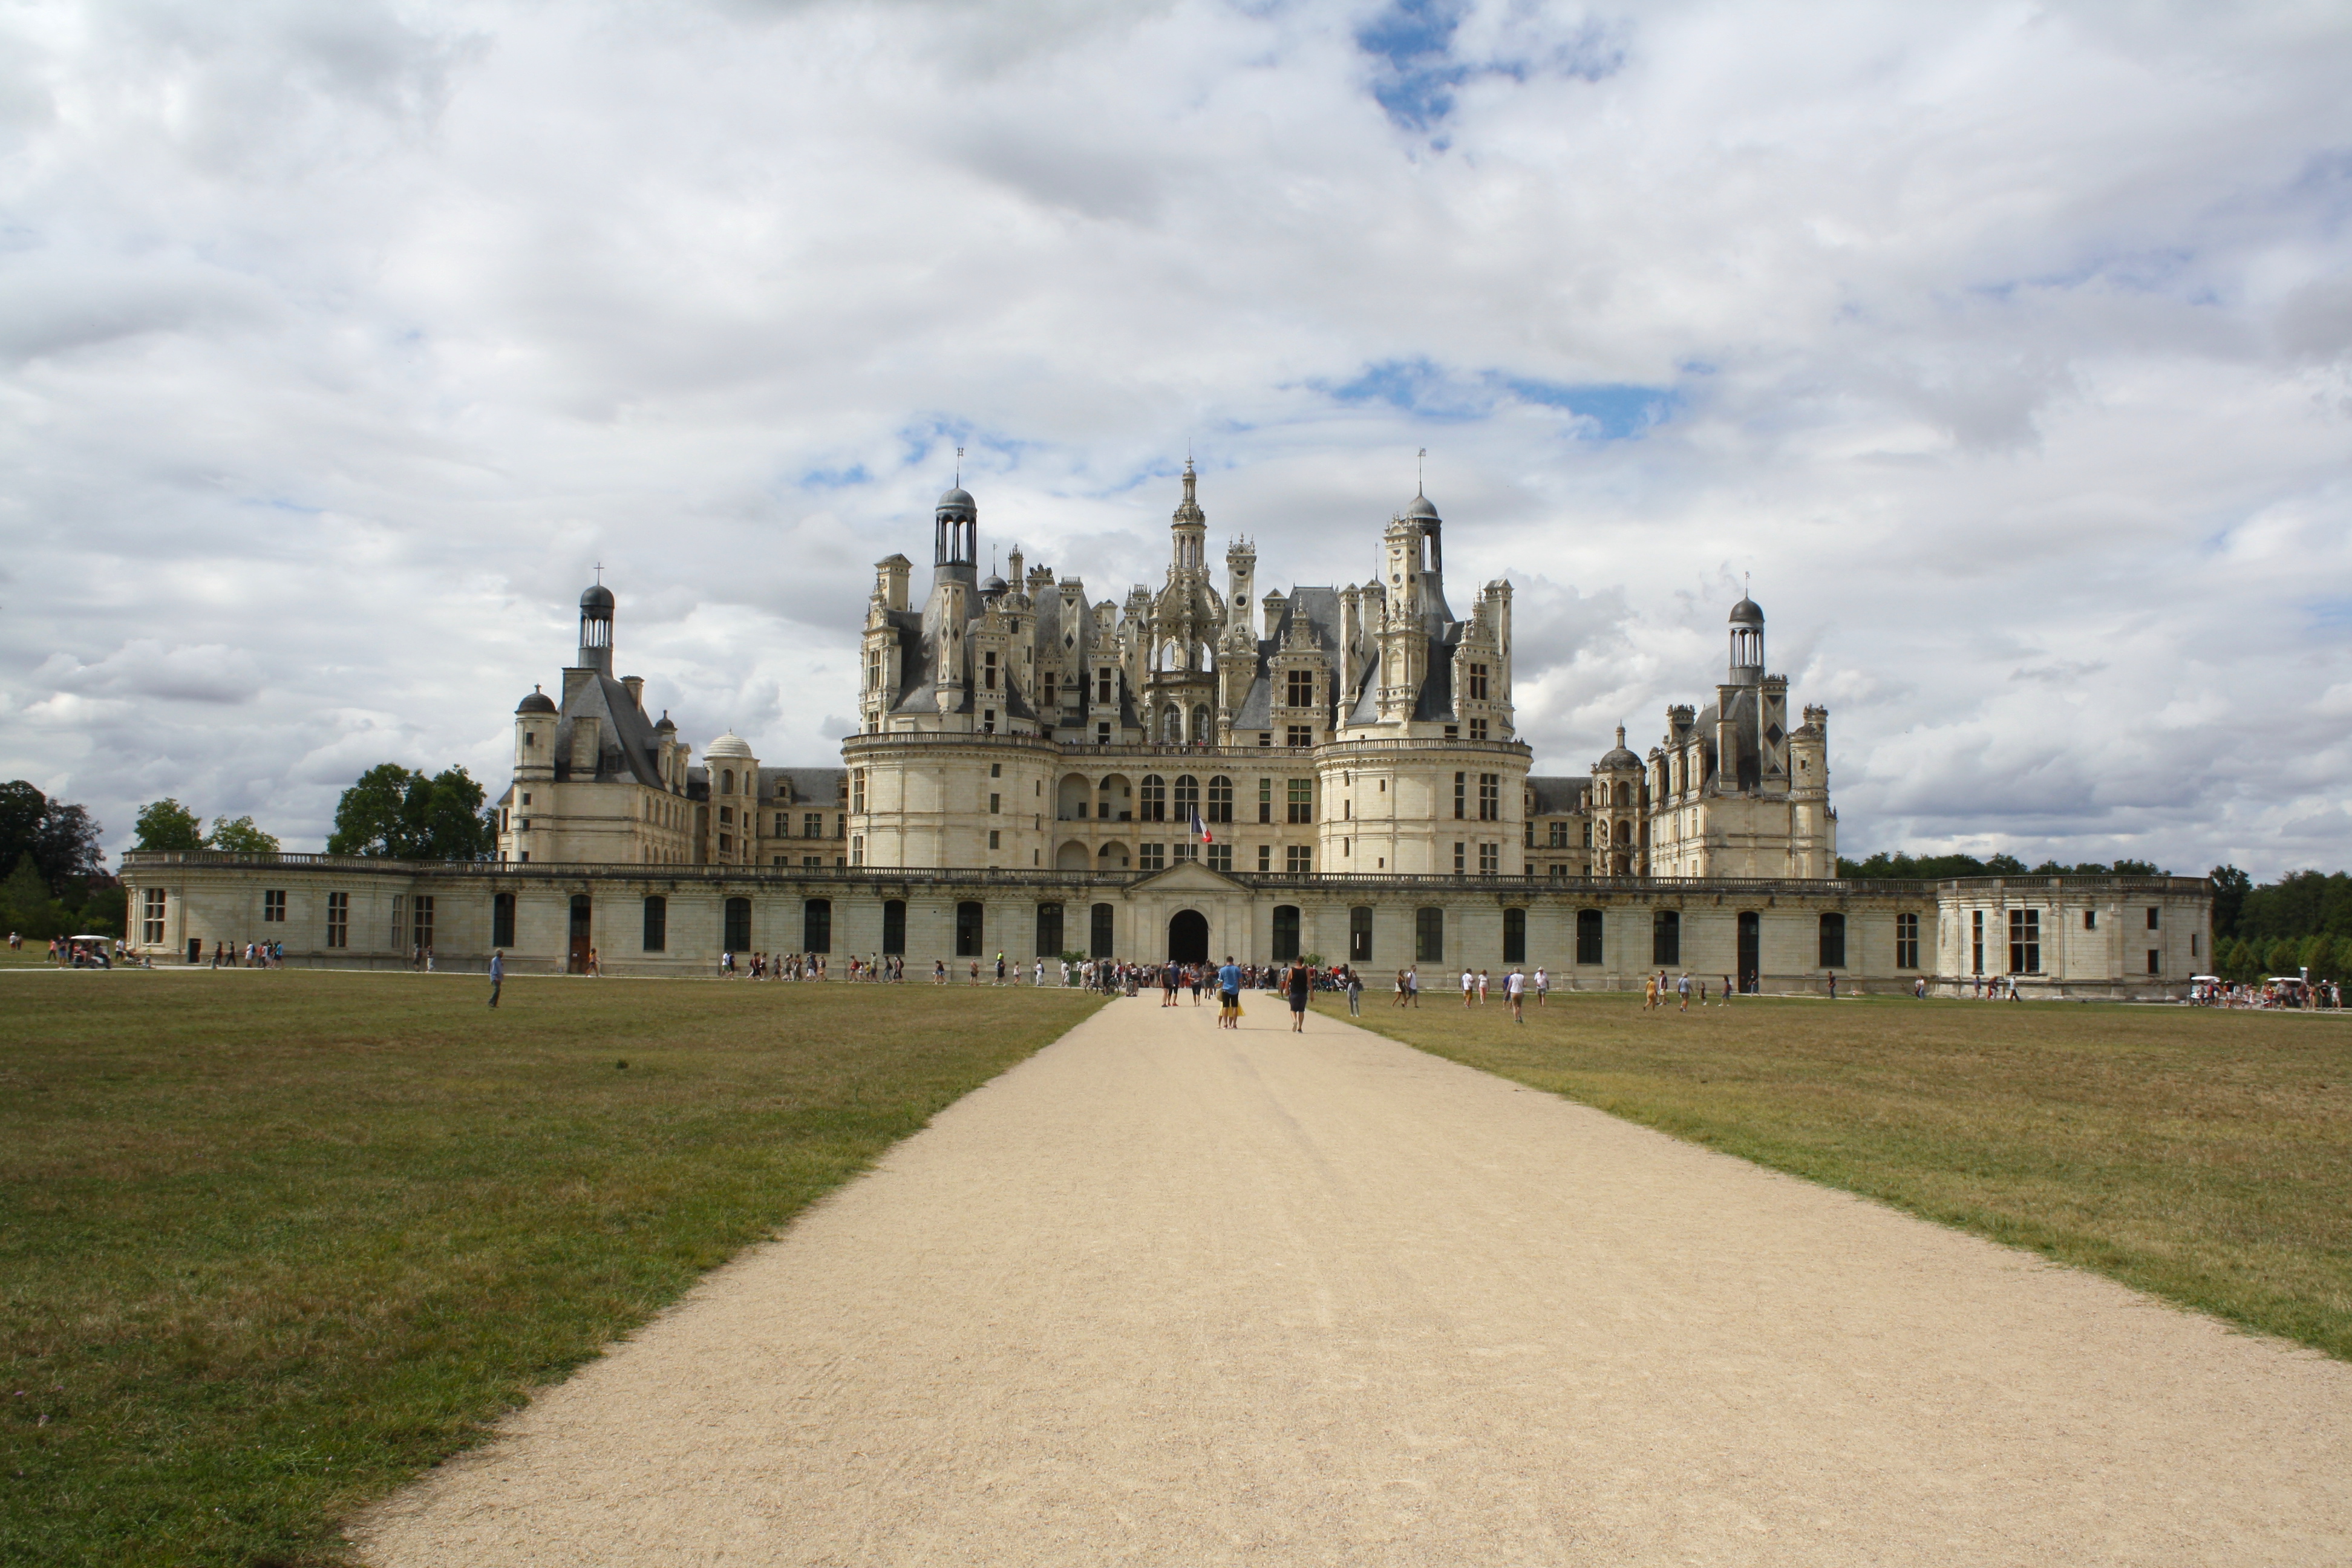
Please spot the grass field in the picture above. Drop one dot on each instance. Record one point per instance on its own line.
(275, 1242)
(2204, 1156)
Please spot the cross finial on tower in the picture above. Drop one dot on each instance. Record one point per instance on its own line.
(600, 573)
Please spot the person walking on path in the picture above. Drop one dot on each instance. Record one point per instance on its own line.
(1543, 985)
(1413, 987)
(1298, 982)
(999, 969)
(1229, 995)
(1469, 987)
(1649, 991)
(498, 973)
(1355, 987)
(1683, 987)
(1515, 992)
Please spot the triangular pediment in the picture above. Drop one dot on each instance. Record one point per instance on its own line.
(1189, 877)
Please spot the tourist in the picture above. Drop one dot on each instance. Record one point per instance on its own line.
(1482, 988)
(1649, 991)
(999, 969)
(1412, 987)
(1037, 980)
(498, 973)
(939, 971)
(1353, 984)
(1469, 987)
(1683, 986)
(1298, 982)
(1543, 985)
(1229, 995)
(1515, 992)
(1168, 977)
(975, 972)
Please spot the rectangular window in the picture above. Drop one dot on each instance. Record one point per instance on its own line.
(2193, 940)
(502, 908)
(1286, 932)
(811, 824)
(988, 671)
(967, 929)
(1429, 936)
(1478, 682)
(1265, 856)
(2025, 941)
(1178, 854)
(1587, 936)
(1102, 686)
(1299, 858)
(856, 790)
(1360, 935)
(1477, 728)
(1049, 930)
(994, 838)
(1150, 856)
(1099, 931)
(2152, 919)
(1302, 800)
(807, 861)
(1515, 936)
(1490, 860)
(1975, 942)
(656, 938)
(1557, 837)
(1265, 800)
(2155, 961)
(894, 925)
(1460, 863)
(1221, 856)
(151, 916)
(996, 804)
(1461, 796)
(399, 938)
(421, 925)
(1833, 941)
(735, 926)
(996, 770)
(1298, 735)
(1529, 836)
(1906, 940)
(726, 814)
(784, 825)
(1299, 688)
(273, 905)
(1220, 799)
(1046, 691)
(2090, 920)
(816, 925)
(1490, 798)
(1666, 936)
(339, 919)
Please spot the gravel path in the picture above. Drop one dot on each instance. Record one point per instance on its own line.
(1168, 1295)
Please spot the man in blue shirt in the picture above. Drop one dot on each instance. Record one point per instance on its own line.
(498, 973)
(1229, 995)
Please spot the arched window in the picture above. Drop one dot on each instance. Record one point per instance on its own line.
(1666, 936)
(1220, 799)
(1429, 935)
(738, 934)
(1625, 795)
(1172, 726)
(1201, 725)
(1151, 799)
(894, 925)
(967, 929)
(656, 924)
(1286, 932)
(728, 787)
(1515, 936)
(1099, 931)
(816, 925)
(1188, 797)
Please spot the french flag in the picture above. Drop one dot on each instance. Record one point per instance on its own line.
(1200, 829)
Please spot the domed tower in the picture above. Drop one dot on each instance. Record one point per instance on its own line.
(1746, 666)
(596, 630)
(734, 800)
(1617, 799)
(955, 551)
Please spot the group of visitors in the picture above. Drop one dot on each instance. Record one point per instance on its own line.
(2292, 992)
(807, 966)
(256, 955)
(1657, 991)
(70, 952)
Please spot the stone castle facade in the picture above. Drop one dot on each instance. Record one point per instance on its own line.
(1186, 773)
(1020, 725)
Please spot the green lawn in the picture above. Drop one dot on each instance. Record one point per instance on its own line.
(273, 1243)
(2204, 1156)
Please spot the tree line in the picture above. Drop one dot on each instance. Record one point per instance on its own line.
(1936, 868)
(2303, 920)
(57, 883)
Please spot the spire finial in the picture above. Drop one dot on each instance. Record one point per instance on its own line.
(959, 468)
(600, 573)
(1420, 473)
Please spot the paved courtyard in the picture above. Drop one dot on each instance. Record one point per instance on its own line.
(1168, 1295)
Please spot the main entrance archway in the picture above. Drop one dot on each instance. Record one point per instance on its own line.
(1188, 937)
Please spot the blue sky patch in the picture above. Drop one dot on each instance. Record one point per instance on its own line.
(1615, 411)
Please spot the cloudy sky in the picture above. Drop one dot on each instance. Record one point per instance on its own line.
(2009, 347)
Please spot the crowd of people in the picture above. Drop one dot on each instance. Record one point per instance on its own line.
(2280, 991)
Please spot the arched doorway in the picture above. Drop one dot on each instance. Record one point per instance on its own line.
(1188, 937)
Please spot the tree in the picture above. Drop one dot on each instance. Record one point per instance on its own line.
(240, 837)
(394, 813)
(60, 837)
(27, 906)
(165, 827)
(2231, 886)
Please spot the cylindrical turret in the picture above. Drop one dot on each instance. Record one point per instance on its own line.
(596, 630)
(956, 536)
(1747, 643)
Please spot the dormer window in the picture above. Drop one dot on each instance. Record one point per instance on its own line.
(1478, 683)
(988, 673)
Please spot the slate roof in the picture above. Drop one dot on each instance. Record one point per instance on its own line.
(1556, 797)
(630, 745)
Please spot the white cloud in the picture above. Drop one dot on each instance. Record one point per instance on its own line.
(2005, 347)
